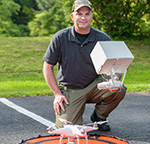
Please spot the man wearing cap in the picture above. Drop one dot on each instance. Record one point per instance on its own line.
(77, 78)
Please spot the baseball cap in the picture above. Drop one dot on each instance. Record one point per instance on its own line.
(80, 3)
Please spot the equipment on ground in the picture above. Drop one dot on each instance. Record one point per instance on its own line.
(74, 131)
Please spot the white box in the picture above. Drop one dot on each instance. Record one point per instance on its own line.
(111, 55)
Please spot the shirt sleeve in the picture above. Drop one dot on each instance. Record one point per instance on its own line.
(52, 54)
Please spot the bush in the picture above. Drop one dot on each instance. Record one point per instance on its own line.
(48, 22)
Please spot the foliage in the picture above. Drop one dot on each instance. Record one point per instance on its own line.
(7, 27)
(120, 18)
(25, 15)
(46, 5)
(26, 12)
(48, 22)
(67, 4)
(15, 15)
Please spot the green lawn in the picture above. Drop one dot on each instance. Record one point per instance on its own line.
(21, 66)
(138, 74)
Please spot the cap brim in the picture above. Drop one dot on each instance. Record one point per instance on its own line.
(82, 5)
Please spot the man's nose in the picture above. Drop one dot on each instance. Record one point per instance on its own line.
(83, 17)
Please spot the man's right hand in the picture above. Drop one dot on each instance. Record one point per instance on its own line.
(58, 103)
(52, 83)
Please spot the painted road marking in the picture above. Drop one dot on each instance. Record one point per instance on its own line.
(26, 112)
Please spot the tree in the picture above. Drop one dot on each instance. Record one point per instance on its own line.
(15, 15)
(48, 22)
(46, 5)
(7, 27)
(26, 12)
(25, 15)
(121, 18)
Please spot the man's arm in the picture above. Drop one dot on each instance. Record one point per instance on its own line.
(52, 83)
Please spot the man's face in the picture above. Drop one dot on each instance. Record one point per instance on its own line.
(82, 19)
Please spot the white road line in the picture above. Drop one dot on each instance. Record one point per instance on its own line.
(26, 112)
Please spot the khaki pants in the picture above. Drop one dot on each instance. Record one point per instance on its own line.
(105, 102)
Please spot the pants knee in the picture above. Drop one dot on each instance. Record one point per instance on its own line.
(122, 93)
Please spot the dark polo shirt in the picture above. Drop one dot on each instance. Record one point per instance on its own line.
(75, 65)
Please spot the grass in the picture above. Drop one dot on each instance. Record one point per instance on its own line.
(137, 78)
(21, 67)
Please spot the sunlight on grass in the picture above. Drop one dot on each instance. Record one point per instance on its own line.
(138, 87)
(24, 88)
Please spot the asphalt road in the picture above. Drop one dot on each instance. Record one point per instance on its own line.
(129, 121)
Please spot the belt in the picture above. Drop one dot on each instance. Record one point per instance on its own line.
(67, 88)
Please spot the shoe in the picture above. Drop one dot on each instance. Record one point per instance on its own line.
(103, 127)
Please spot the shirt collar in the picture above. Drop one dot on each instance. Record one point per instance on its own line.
(90, 38)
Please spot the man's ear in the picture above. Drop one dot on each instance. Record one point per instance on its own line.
(92, 14)
(72, 16)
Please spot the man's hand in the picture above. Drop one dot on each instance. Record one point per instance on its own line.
(58, 103)
(52, 83)
(116, 78)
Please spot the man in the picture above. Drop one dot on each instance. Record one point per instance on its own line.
(71, 48)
